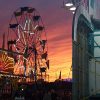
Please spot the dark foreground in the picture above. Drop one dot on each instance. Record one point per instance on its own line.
(60, 90)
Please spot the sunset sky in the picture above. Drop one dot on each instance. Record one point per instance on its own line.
(57, 21)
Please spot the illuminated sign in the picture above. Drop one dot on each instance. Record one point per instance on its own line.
(6, 63)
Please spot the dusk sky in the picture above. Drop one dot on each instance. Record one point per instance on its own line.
(57, 21)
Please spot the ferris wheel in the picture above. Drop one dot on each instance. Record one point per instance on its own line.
(27, 36)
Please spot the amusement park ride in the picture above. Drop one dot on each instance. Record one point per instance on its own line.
(27, 45)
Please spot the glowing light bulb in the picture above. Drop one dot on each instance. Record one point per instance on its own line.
(72, 8)
(68, 4)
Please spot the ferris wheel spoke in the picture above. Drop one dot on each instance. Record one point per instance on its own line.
(22, 34)
(21, 42)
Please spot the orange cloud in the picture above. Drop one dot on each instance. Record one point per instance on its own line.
(60, 55)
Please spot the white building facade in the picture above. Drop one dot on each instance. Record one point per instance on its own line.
(86, 49)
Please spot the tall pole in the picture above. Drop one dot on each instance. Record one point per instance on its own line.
(25, 55)
(35, 69)
(3, 42)
(25, 67)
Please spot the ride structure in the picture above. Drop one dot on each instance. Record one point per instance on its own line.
(27, 44)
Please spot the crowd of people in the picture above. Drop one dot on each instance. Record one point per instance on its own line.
(51, 91)
(49, 95)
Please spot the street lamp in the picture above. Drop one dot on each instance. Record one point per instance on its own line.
(70, 6)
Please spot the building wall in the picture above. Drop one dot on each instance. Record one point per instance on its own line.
(86, 68)
(94, 66)
(92, 85)
(94, 8)
(97, 9)
(80, 57)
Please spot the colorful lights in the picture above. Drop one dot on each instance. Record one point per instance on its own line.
(6, 63)
(70, 7)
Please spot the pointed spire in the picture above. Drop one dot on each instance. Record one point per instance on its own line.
(60, 75)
